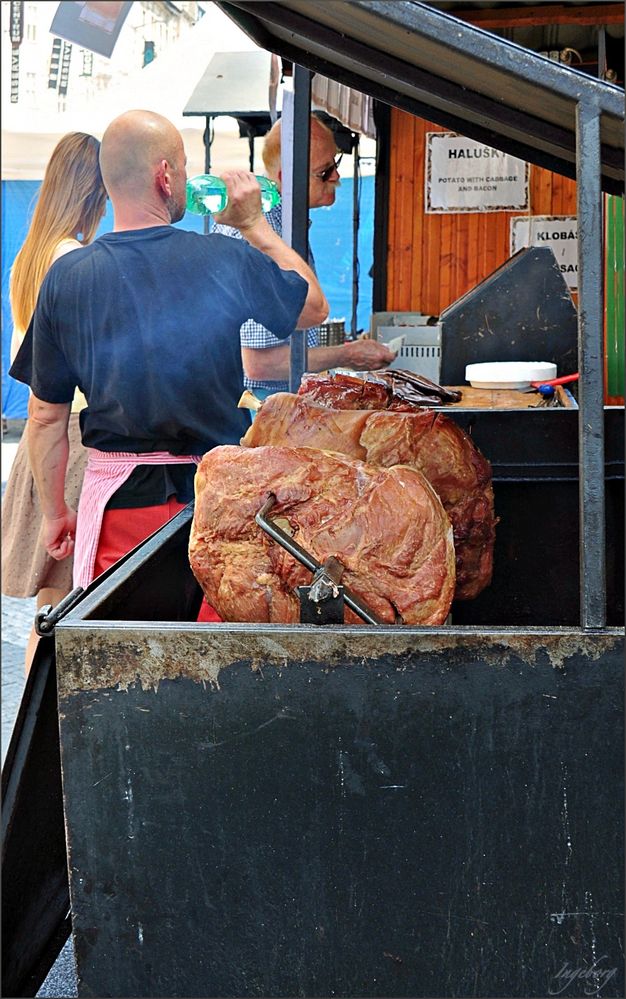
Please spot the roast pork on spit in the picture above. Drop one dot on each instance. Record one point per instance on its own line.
(386, 526)
(424, 439)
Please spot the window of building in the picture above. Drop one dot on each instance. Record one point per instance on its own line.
(30, 22)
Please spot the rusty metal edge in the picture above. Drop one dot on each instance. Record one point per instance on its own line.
(115, 654)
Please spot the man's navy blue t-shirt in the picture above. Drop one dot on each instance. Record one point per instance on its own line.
(146, 323)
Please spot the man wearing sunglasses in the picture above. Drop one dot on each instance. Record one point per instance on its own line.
(265, 357)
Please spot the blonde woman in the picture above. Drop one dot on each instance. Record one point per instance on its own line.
(71, 203)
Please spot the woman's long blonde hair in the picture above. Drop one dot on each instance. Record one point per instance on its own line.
(71, 202)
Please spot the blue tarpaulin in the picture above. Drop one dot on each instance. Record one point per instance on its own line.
(331, 241)
(18, 202)
(18, 197)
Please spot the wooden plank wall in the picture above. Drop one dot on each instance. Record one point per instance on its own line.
(434, 259)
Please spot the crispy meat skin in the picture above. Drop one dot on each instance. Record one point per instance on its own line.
(386, 525)
(397, 390)
(424, 439)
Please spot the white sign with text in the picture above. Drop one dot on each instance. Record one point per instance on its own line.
(466, 176)
(559, 232)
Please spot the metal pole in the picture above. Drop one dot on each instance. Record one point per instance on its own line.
(382, 119)
(355, 237)
(591, 367)
(300, 203)
(602, 67)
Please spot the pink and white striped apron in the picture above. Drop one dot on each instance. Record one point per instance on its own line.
(106, 471)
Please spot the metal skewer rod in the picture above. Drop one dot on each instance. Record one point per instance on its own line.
(282, 538)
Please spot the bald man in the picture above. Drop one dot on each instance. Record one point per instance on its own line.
(145, 321)
(265, 356)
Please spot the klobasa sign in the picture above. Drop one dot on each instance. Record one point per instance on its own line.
(467, 176)
(559, 232)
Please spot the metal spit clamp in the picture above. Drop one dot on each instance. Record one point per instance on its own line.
(321, 602)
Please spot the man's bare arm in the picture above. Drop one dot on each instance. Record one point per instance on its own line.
(272, 363)
(244, 213)
(48, 448)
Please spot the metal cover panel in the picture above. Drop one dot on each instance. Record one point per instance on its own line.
(234, 83)
(442, 69)
(321, 817)
(523, 311)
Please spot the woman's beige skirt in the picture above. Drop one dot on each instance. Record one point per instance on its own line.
(26, 566)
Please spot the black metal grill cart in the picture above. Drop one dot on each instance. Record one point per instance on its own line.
(256, 810)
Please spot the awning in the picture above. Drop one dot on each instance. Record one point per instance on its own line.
(422, 60)
(352, 108)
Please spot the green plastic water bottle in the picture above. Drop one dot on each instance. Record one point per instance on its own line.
(207, 195)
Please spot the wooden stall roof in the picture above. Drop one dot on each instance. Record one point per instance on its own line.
(432, 64)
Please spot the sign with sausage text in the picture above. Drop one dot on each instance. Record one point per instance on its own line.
(559, 232)
(466, 176)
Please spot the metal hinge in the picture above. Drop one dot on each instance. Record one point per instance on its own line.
(47, 617)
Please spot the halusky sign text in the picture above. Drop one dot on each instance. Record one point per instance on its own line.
(466, 176)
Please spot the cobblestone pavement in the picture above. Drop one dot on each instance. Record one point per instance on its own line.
(17, 620)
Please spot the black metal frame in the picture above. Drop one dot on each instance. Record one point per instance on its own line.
(299, 222)
(382, 119)
(591, 366)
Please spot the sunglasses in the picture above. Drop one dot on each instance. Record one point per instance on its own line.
(329, 171)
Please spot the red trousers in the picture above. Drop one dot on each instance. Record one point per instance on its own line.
(123, 529)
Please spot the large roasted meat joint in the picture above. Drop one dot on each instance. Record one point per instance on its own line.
(386, 526)
(425, 439)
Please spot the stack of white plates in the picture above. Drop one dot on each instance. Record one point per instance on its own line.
(509, 374)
